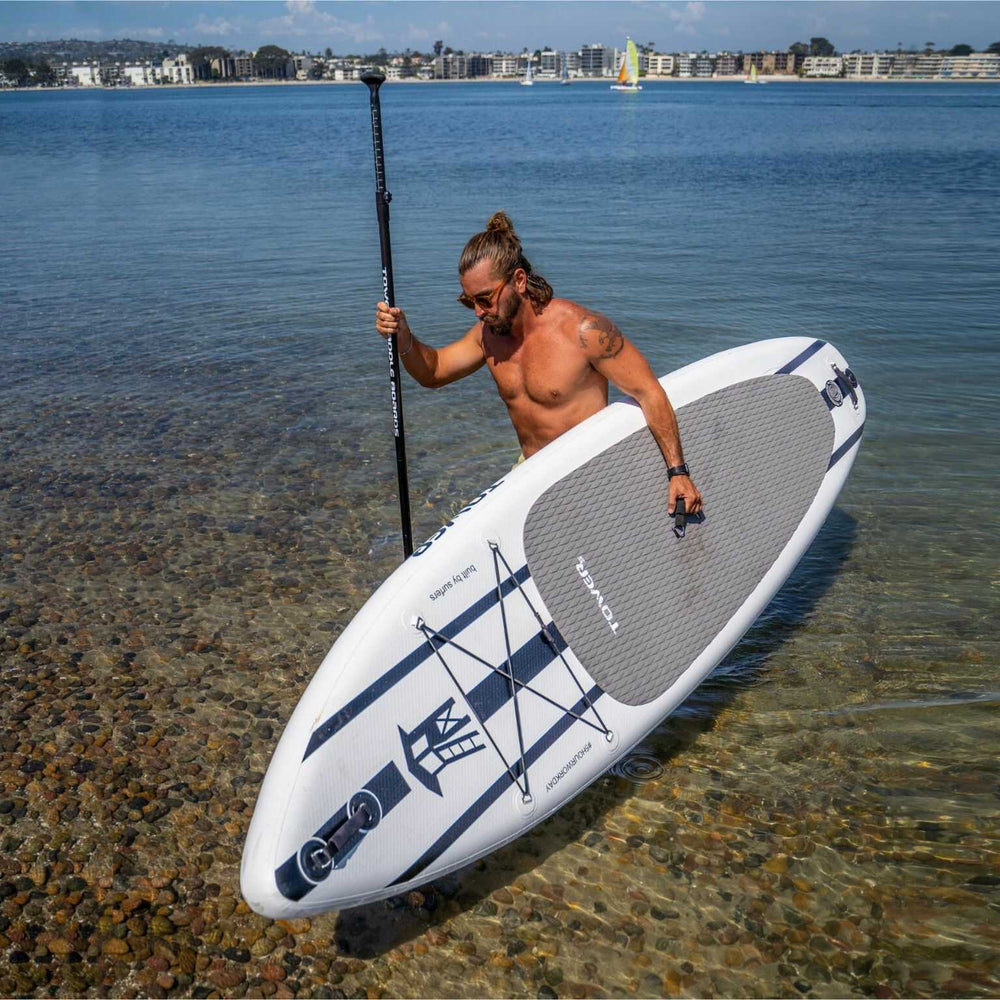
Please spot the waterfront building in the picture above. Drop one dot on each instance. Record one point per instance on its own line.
(573, 63)
(975, 66)
(85, 74)
(787, 63)
(916, 66)
(685, 64)
(450, 67)
(479, 64)
(303, 66)
(243, 67)
(139, 74)
(179, 70)
(773, 63)
(592, 60)
(868, 65)
(822, 66)
(659, 64)
(704, 67)
(550, 63)
(504, 64)
(727, 64)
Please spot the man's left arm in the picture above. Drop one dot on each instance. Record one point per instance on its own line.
(620, 362)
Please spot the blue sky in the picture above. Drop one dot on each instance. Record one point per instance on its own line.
(353, 26)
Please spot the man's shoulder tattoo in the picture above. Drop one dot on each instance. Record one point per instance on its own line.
(609, 337)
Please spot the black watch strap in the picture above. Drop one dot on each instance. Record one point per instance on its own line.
(678, 470)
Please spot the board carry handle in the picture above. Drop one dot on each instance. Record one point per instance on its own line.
(680, 518)
(319, 855)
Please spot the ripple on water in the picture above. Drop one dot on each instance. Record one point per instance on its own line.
(640, 765)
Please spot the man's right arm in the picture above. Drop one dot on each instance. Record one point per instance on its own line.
(431, 367)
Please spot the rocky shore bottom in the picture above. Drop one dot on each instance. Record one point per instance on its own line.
(819, 820)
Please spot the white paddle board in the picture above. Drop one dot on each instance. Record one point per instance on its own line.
(535, 638)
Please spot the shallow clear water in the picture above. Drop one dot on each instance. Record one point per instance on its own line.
(198, 493)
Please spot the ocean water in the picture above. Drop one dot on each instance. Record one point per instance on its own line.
(198, 492)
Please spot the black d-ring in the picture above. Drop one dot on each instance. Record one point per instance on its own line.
(372, 806)
(315, 860)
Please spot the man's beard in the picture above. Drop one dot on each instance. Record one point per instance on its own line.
(503, 324)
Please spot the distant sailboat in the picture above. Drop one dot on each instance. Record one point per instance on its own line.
(753, 75)
(628, 75)
(564, 79)
(527, 81)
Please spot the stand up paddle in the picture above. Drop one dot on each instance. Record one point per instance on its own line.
(382, 199)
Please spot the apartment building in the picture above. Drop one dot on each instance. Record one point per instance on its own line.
(451, 67)
(592, 60)
(85, 74)
(504, 64)
(862, 65)
(479, 64)
(788, 63)
(659, 64)
(303, 66)
(727, 64)
(179, 70)
(243, 67)
(975, 66)
(772, 63)
(704, 68)
(916, 66)
(139, 74)
(822, 66)
(550, 63)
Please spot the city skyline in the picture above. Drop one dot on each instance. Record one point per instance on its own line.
(351, 26)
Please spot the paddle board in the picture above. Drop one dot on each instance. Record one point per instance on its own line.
(543, 631)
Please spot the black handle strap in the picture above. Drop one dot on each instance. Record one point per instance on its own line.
(680, 518)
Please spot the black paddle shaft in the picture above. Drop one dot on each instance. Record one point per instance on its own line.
(382, 199)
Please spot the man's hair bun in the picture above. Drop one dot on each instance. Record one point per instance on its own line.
(500, 223)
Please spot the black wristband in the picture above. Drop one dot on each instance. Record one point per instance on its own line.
(678, 470)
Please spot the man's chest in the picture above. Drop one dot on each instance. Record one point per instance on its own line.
(545, 372)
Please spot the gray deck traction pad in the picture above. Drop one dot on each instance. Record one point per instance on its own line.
(758, 452)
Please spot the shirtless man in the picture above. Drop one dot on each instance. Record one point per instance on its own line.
(550, 358)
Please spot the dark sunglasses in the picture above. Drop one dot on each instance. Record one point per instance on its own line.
(483, 300)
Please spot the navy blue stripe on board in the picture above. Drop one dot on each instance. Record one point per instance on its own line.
(845, 447)
(393, 676)
(799, 359)
(493, 692)
(502, 784)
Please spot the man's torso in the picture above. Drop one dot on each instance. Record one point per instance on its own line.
(544, 378)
